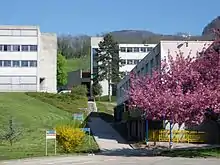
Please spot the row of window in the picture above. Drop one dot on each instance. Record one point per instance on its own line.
(17, 63)
(146, 69)
(130, 61)
(135, 49)
(18, 48)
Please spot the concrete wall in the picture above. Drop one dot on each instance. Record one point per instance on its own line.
(48, 62)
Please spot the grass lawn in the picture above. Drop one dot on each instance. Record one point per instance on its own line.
(33, 117)
(60, 101)
(105, 99)
(78, 63)
(215, 152)
(105, 110)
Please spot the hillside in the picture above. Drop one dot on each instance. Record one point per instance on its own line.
(79, 46)
(33, 117)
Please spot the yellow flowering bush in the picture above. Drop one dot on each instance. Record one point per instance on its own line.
(69, 138)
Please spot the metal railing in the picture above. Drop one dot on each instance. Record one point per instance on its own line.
(178, 136)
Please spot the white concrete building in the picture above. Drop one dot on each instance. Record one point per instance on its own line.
(28, 59)
(154, 57)
(131, 55)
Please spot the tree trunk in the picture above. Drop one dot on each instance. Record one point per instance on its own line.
(109, 91)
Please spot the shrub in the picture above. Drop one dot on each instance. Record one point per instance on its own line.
(69, 138)
(79, 91)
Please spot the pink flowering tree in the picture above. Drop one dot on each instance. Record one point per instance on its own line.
(182, 90)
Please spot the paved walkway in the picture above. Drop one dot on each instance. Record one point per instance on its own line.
(110, 160)
(106, 137)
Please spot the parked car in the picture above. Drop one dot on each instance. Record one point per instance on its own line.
(64, 91)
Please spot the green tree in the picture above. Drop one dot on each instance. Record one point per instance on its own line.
(97, 89)
(61, 72)
(109, 62)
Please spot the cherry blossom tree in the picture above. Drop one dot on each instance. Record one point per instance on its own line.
(182, 90)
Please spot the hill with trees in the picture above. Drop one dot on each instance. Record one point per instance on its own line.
(77, 48)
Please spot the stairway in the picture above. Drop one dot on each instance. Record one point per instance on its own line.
(92, 106)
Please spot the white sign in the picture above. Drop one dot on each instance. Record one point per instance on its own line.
(51, 134)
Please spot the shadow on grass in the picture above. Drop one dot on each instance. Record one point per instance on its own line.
(193, 152)
(188, 153)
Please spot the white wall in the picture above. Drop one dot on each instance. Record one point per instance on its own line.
(48, 61)
(161, 50)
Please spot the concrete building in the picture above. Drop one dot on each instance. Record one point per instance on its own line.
(154, 57)
(136, 126)
(28, 59)
(131, 55)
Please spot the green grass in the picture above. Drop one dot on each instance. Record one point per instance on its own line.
(105, 99)
(214, 152)
(33, 117)
(105, 110)
(78, 63)
(61, 101)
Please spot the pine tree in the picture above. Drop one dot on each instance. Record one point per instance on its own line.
(109, 62)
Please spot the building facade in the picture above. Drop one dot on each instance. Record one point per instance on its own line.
(28, 59)
(130, 54)
(153, 59)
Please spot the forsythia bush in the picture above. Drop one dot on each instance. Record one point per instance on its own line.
(68, 137)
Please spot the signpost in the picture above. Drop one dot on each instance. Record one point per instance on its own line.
(78, 116)
(51, 135)
(86, 130)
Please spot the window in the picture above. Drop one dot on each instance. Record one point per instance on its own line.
(143, 49)
(16, 63)
(149, 49)
(157, 60)
(1, 47)
(7, 48)
(136, 62)
(138, 73)
(33, 48)
(33, 63)
(24, 63)
(142, 70)
(1, 63)
(136, 49)
(129, 49)
(129, 62)
(7, 63)
(146, 68)
(16, 48)
(24, 48)
(123, 62)
(122, 49)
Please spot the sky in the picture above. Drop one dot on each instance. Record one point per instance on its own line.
(93, 17)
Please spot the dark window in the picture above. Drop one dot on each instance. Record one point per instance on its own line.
(123, 62)
(1, 63)
(129, 62)
(33, 63)
(24, 63)
(138, 73)
(136, 62)
(7, 63)
(129, 49)
(146, 68)
(123, 49)
(149, 49)
(157, 60)
(143, 49)
(33, 48)
(136, 49)
(16, 48)
(7, 48)
(24, 48)
(142, 70)
(16, 63)
(1, 47)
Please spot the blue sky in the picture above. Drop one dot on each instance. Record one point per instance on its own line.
(96, 16)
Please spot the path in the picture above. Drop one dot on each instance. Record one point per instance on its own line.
(110, 160)
(106, 137)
